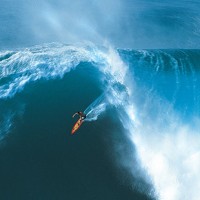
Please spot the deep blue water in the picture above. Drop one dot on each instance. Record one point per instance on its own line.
(141, 133)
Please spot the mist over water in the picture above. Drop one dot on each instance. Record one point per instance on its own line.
(125, 24)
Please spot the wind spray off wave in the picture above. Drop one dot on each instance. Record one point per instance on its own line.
(167, 137)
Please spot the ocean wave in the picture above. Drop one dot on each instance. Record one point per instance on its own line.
(145, 87)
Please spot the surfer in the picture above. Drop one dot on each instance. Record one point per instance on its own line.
(79, 122)
(81, 115)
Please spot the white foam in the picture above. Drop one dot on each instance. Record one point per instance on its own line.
(171, 158)
(39, 62)
(96, 108)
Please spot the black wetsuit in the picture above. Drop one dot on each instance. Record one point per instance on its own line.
(82, 115)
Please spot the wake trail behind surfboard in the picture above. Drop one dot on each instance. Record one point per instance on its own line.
(96, 108)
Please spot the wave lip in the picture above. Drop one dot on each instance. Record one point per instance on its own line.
(39, 62)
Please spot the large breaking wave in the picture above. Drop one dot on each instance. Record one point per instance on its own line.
(155, 93)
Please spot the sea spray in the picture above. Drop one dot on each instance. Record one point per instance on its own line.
(96, 108)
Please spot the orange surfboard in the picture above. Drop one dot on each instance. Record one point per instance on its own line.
(76, 126)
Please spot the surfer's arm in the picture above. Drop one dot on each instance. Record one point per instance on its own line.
(75, 114)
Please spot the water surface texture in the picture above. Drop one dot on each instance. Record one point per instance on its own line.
(133, 67)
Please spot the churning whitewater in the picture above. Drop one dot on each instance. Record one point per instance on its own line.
(155, 94)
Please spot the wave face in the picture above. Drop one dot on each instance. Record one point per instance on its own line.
(148, 99)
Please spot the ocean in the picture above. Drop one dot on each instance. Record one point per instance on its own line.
(140, 139)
